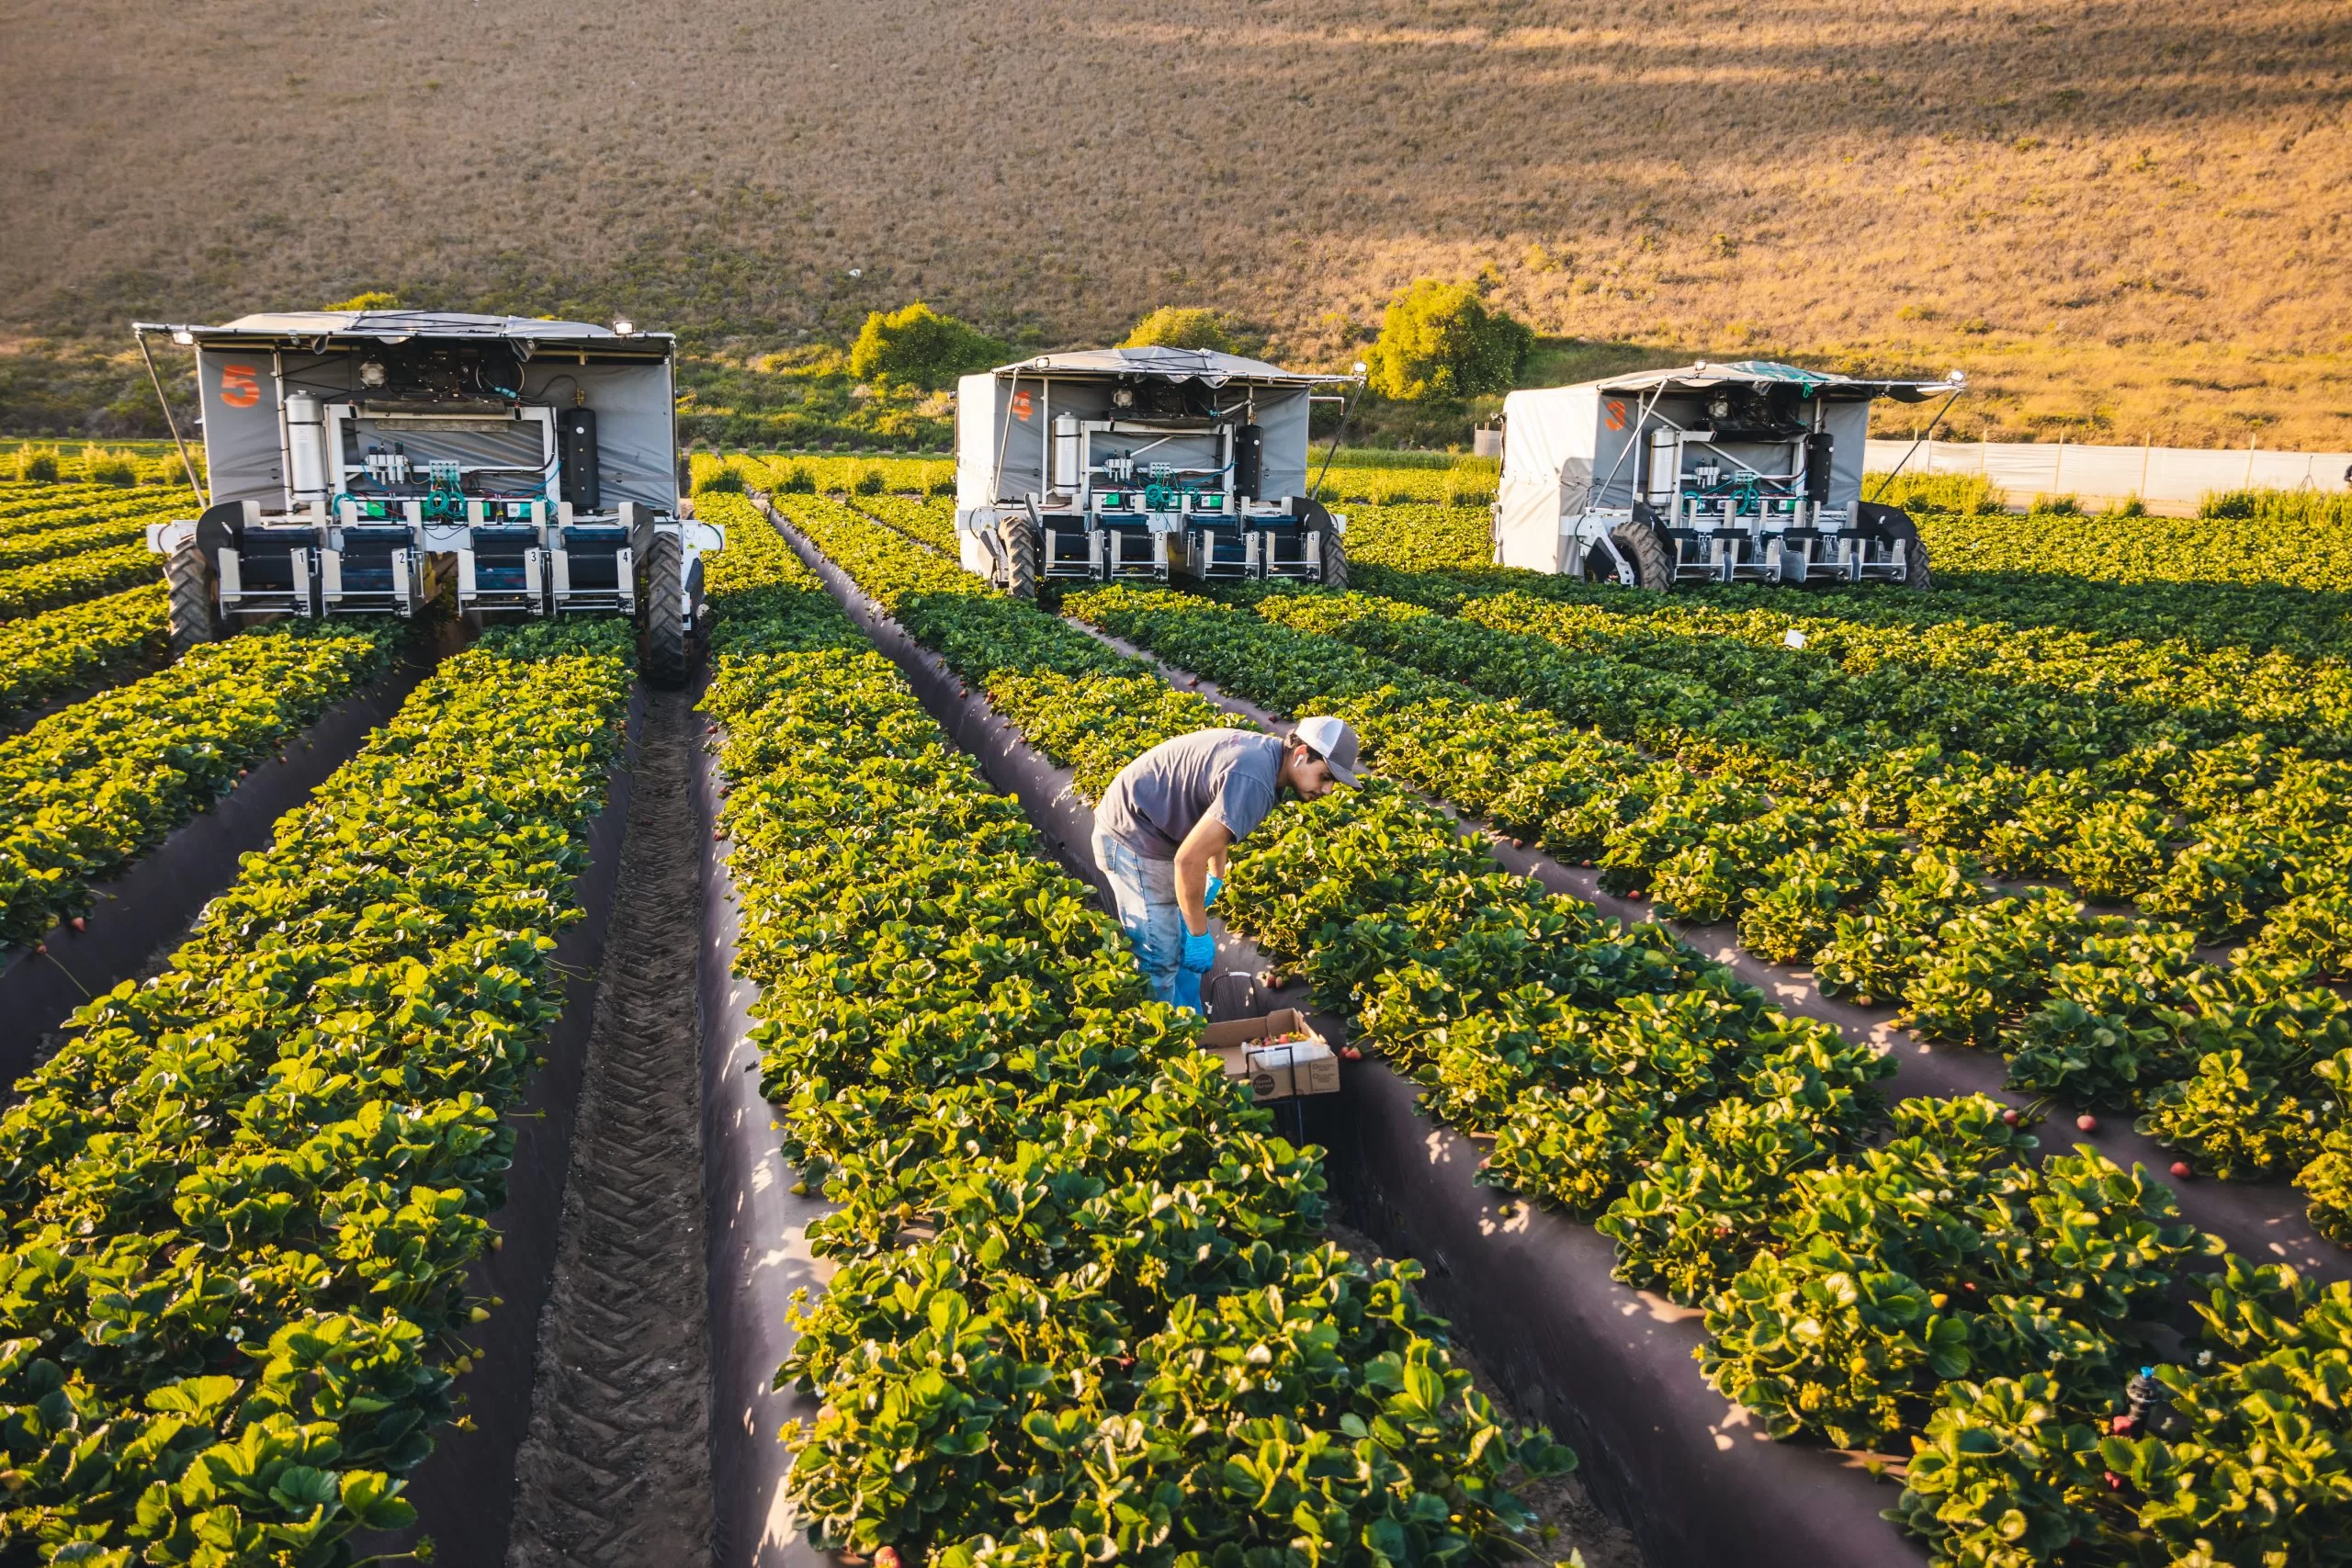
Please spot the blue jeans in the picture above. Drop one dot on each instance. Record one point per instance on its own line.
(1145, 892)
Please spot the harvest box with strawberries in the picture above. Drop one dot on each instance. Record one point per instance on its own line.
(1280, 1054)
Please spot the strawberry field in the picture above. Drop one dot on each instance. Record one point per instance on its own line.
(243, 1196)
(1656, 906)
(1881, 1277)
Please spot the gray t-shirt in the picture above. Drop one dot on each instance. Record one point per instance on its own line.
(1161, 797)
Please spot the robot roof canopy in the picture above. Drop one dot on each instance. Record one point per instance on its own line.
(1705, 374)
(1201, 365)
(401, 326)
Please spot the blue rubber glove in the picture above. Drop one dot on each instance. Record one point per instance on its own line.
(1187, 991)
(1200, 952)
(1217, 886)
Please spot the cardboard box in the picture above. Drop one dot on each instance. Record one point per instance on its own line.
(1282, 1071)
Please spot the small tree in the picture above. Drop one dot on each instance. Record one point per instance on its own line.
(921, 347)
(1439, 340)
(1178, 326)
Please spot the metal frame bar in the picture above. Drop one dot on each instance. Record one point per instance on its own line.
(171, 421)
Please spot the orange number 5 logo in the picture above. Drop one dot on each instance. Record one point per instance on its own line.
(1616, 415)
(239, 386)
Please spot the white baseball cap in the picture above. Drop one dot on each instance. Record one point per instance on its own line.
(1334, 740)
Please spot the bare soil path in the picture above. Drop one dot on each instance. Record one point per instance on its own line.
(616, 1469)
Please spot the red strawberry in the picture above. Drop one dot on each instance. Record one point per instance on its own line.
(2086, 1121)
(2182, 1170)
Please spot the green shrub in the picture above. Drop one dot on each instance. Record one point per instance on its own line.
(870, 482)
(798, 480)
(1439, 340)
(37, 465)
(2326, 509)
(1178, 326)
(921, 347)
(100, 467)
(707, 471)
(166, 470)
(1966, 495)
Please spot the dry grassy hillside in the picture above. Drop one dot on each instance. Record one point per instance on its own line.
(2131, 217)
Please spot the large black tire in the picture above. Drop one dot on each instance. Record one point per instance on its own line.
(1334, 551)
(1640, 543)
(195, 612)
(1894, 525)
(667, 662)
(1020, 542)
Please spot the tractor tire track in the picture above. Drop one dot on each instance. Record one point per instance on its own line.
(616, 1468)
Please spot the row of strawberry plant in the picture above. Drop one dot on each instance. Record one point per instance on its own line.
(36, 505)
(2202, 616)
(2053, 696)
(1418, 537)
(240, 1201)
(1081, 1306)
(87, 789)
(44, 656)
(1800, 673)
(2229, 832)
(1615, 1072)
(2239, 1066)
(23, 548)
(944, 606)
(17, 497)
(19, 530)
(1364, 476)
(763, 599)
(1936, 1286)
(929, 522)
(29, 590)
(2294, 537)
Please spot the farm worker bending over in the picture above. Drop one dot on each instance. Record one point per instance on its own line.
(1165, 824)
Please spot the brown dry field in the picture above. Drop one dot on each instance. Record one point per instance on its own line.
(2127, 220)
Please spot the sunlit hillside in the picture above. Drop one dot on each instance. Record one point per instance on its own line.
(2129, 221)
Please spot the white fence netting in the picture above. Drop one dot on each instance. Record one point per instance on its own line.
(2166, 478)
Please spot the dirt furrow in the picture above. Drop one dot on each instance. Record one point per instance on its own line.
(616, 1469)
